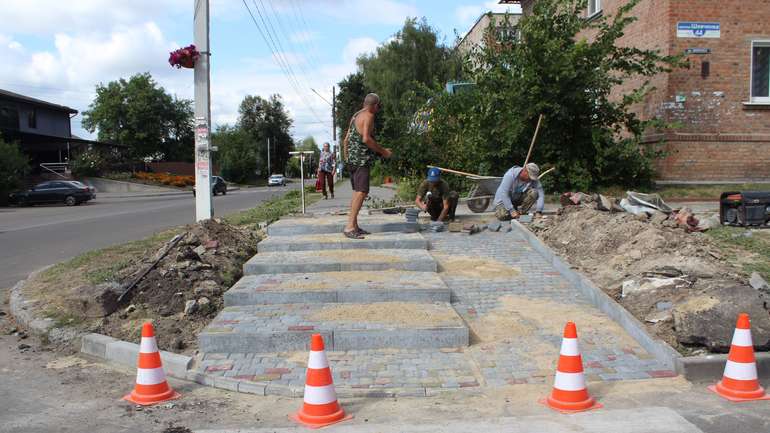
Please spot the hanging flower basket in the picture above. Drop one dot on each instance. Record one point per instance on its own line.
(184, 57)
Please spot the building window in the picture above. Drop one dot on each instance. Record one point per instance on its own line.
(760, 71)
(505, 34)
(594, 7)
(32, 119)
(9, 117)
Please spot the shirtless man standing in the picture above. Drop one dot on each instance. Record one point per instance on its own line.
(360, 149)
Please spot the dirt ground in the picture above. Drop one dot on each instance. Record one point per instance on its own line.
(659, 272)
(180, 294)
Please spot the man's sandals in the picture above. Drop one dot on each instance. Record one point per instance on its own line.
(355, 234)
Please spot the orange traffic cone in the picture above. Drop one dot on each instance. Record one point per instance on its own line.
(151, 386)
(320, 407)
(569, 386)
(740, 382)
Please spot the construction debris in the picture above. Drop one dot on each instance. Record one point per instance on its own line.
(183, 288)
(674, 280)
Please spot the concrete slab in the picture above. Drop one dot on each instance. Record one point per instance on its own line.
(637, 420)
(335, 241)
(329, 287)
(288, 327)
(339, 260)
(335, 224)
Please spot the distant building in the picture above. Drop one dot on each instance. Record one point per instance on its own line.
(722, 102)
(504, 30)
(42, 129)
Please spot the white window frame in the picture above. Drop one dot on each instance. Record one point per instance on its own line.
(594, 8)
(756, 99)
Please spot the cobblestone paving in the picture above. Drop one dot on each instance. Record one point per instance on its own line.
(516, 324)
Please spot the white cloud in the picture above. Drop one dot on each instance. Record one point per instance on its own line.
(468, 14)
(364, 12)
(356, 47)
(303, 36)
(45, 16)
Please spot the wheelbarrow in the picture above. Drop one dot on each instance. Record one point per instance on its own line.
(481, 193)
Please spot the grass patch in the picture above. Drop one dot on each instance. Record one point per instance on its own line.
(273, 209)
(747, 249)
(93, 267)
(62, 318)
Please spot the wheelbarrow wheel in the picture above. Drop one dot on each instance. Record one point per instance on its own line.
(478, 205)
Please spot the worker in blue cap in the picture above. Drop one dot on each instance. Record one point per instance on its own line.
(435, 197)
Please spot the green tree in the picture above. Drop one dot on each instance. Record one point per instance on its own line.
(14, 165)
(237, 156)
(589, 134)
(140, 114)
(349, 99)
(311, 161)
(267, 118)
(405, 72)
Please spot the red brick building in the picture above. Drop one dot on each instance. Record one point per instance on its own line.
(723, 101)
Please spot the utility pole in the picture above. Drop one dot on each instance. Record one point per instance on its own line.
(334, 115)
(203, 206)
(269, 173)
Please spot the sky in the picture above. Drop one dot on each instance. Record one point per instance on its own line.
(58, 51)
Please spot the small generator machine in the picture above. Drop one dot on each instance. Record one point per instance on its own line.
(745, 209)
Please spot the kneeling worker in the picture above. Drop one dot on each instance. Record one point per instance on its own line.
(434, 197)
(518, 191)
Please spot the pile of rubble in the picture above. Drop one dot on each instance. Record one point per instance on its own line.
(183, 289)
(661, 268)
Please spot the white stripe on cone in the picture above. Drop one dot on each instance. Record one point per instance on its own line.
(150, 376)
(742, 337)
(741, 370)
(317, 360)
(320, 394)
(569, 381)
(148, 345)
(569, 347)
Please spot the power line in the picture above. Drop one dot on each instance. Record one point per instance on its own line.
(272, 47)
(302, 16)
(279, 50)
(278, 36)
(311, 52)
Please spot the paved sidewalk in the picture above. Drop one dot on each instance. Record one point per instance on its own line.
(515, 304)
(343, 192)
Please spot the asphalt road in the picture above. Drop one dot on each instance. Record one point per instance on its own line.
(33, 237)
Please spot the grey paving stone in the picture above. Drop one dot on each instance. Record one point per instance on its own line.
(268, 328)
(336, 241)
(335, 224)
(358, 286)
(339, 260)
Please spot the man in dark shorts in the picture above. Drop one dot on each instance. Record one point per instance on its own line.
(360, 149)
(435, 197)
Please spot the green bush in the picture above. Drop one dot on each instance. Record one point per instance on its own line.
(14, 165)
(407, 188)
(89, 164)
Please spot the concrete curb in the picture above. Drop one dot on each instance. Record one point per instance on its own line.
(21, 311)
(125, 354)
(711, 367)
(657, 348)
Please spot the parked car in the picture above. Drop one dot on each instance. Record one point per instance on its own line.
(276, 180)
(69, 192)
(218, 186)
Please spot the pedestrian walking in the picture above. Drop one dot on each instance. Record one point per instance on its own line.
(327, 169)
